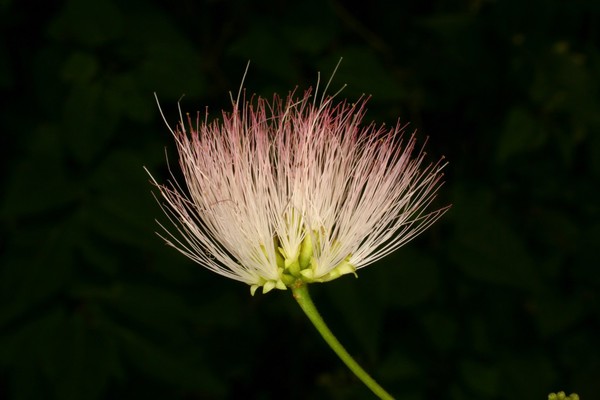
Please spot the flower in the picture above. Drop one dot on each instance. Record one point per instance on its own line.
(281, 192)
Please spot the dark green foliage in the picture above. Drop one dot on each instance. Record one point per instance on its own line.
(499, 298)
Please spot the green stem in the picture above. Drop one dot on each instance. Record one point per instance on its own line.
(301, 295)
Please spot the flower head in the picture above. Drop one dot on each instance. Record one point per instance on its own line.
(280, 192)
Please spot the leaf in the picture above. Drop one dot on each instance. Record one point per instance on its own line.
(76, 369)
(38, 181)
(166, 61)
(396, 366)
(92, 22)
(442, 330)
(528, 374)
(170, 368)
(481, 378)
(411, 277)
(32, 275)
(124, 96)
(310, 39)
(88, 126)
(80, 68)
(122, 209)
(364, 319)
(521, 134)
(155, 308)
(485, 247)
(375, 78)
(556, 312)
(267, 47)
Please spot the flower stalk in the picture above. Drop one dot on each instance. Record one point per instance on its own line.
(300, 292)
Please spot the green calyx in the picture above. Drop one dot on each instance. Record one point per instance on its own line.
(300, 267)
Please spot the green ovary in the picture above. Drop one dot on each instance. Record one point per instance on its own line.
(300, 267)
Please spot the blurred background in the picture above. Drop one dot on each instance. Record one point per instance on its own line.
(498, 300)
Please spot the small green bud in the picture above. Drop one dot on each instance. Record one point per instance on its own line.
(268, 286)
(293, 267)
(306, 251)
(278, 257)
(308, 273)
(563, 396)
(346, 268)
(287, 279)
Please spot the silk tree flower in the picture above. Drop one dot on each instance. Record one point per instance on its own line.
(280, 191)
(283, 193)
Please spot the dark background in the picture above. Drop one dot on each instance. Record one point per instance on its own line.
(498, 300)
